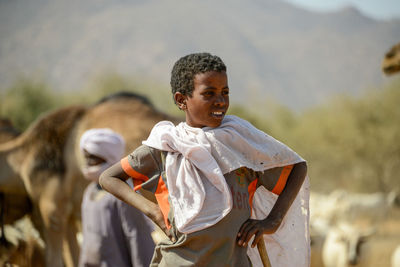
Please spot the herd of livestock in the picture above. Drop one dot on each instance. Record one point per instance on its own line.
(41, 187)
(353, 229)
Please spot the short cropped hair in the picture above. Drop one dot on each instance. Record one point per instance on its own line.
(184, 70)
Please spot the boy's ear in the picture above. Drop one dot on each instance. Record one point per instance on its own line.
(180, 100)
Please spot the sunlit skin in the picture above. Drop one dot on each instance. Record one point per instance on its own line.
(209, 101)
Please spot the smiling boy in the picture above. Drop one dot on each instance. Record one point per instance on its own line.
(204, 175)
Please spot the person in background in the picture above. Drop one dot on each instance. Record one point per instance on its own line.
(114, 233)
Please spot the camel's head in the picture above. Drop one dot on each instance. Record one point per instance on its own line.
(391, 62)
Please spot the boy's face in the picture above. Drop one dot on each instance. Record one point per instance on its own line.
(209, 101)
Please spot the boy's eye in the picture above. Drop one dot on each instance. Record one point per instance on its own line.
(208, 93)
(225, 92)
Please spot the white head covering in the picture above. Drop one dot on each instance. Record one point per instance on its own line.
(104, 143)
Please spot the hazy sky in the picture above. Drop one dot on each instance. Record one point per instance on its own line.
(380, 9)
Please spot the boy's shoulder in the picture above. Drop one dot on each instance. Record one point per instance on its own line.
(145, 155)
(143, 150)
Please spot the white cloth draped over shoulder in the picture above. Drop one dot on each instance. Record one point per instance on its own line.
(196, 154)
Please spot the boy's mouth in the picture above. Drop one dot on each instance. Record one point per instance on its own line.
(218, 114)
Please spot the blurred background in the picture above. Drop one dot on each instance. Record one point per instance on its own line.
(307, 72)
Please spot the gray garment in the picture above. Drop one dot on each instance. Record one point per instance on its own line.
(115, 234)
(215, 245)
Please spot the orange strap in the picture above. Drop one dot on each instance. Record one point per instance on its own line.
(280, 185)
(138, 178)
(161, 195)
(252, 189)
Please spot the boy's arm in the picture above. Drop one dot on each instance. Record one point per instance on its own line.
(271, 223)
(113, 180)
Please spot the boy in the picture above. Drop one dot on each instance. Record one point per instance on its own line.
(114, 233)
(204, 174)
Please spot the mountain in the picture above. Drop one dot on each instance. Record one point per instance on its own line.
(273, 49)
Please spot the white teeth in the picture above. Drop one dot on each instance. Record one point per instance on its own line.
(217, 113)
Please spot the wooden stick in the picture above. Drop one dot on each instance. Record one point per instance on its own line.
(263, 253)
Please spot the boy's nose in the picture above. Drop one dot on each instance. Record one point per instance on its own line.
(220, 101)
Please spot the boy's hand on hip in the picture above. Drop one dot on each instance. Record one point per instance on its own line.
(158, 218)
(257, 228)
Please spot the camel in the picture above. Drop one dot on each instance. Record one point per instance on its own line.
(33, 164)
(391, 62)
(46, 162)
